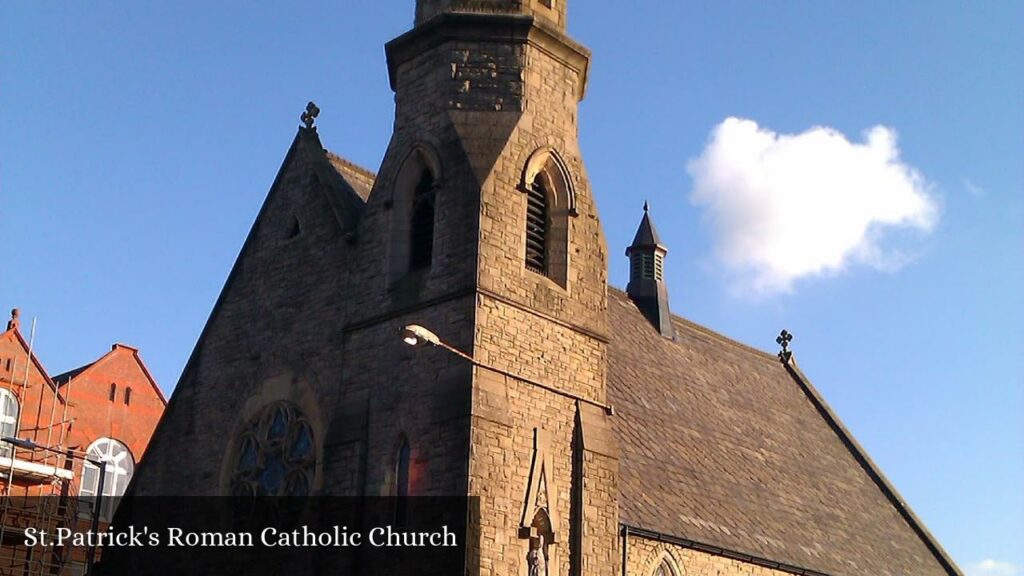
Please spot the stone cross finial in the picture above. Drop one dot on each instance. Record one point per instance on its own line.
(783, 340)
(309, 116)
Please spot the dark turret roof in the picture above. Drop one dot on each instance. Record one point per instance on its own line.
(646, 235)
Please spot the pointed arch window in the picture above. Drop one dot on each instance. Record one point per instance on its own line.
(276, 454)
(665, 568)
(9, 411)
(550, 202)
(417, 188)
(537, 225)
(402, 483)
(421, 228)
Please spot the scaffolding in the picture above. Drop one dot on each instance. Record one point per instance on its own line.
(38, 485)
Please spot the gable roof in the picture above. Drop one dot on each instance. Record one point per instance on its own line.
(15, 334)
(62, 379)
(725, 446)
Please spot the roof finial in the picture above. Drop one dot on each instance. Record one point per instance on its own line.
(646, 207)
(13, 322)
(309, 116)
(783, 340)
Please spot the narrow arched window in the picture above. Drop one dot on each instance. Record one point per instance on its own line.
(537, 224)
(9, 409)
(402, 483)
(113, 391)
(664, 569)
(421, 228)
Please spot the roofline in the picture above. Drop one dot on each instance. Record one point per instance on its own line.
(350, 164)
(709, 332)
(135, 354)
(628, 530)
(39, 365)
(870, 467)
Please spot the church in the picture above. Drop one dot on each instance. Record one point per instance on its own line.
(446, 326)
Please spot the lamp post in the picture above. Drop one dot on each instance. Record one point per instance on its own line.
(30, 445)
(415, 335)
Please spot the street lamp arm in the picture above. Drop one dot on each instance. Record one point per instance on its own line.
(416, 335)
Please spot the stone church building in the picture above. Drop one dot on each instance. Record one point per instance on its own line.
(601, 434)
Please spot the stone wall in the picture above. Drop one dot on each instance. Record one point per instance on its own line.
(645, 556)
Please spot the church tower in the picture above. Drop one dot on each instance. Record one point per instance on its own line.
(479, 227)
(487, 93)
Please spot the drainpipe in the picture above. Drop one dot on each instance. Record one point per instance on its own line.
(625, 549)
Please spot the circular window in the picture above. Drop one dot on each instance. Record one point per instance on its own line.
(275, 454)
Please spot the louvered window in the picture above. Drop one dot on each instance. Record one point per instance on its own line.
(421, 237)
(646, 266)
(537, 227)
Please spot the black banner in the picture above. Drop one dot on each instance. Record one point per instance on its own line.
(229, 535)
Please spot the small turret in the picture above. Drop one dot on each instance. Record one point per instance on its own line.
(646, 276)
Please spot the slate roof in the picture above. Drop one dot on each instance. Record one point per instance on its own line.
(358, 178)
(646, 235)
(62, 379)
(722, 445)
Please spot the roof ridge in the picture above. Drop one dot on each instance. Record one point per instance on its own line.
(869, 466)
(709, 332)
(350, 164)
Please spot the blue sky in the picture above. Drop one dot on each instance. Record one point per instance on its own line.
(137, 143)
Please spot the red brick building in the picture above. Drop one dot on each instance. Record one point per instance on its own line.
(106, 409)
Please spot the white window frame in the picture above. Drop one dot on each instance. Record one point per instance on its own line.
(118, 465)
(8, 422)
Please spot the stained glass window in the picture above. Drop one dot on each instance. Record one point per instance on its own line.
(275, 454)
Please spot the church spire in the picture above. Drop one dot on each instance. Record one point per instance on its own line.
(646, 276)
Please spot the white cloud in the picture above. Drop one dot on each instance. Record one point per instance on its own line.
(992, 568)
(789, 206)
(972, 188)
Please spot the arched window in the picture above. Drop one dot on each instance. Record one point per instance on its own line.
(665, 568)
(550, 202)
(402, 483)
(402, 470)
(537, 225)
(412, 208)
(421, 227)
(276, 454)
(9, 410)
(118, 466)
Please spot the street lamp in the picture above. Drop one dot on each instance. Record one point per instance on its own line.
(416, 336)
(27, 444)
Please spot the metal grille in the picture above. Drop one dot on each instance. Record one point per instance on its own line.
(536, 227)
(421, 235)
